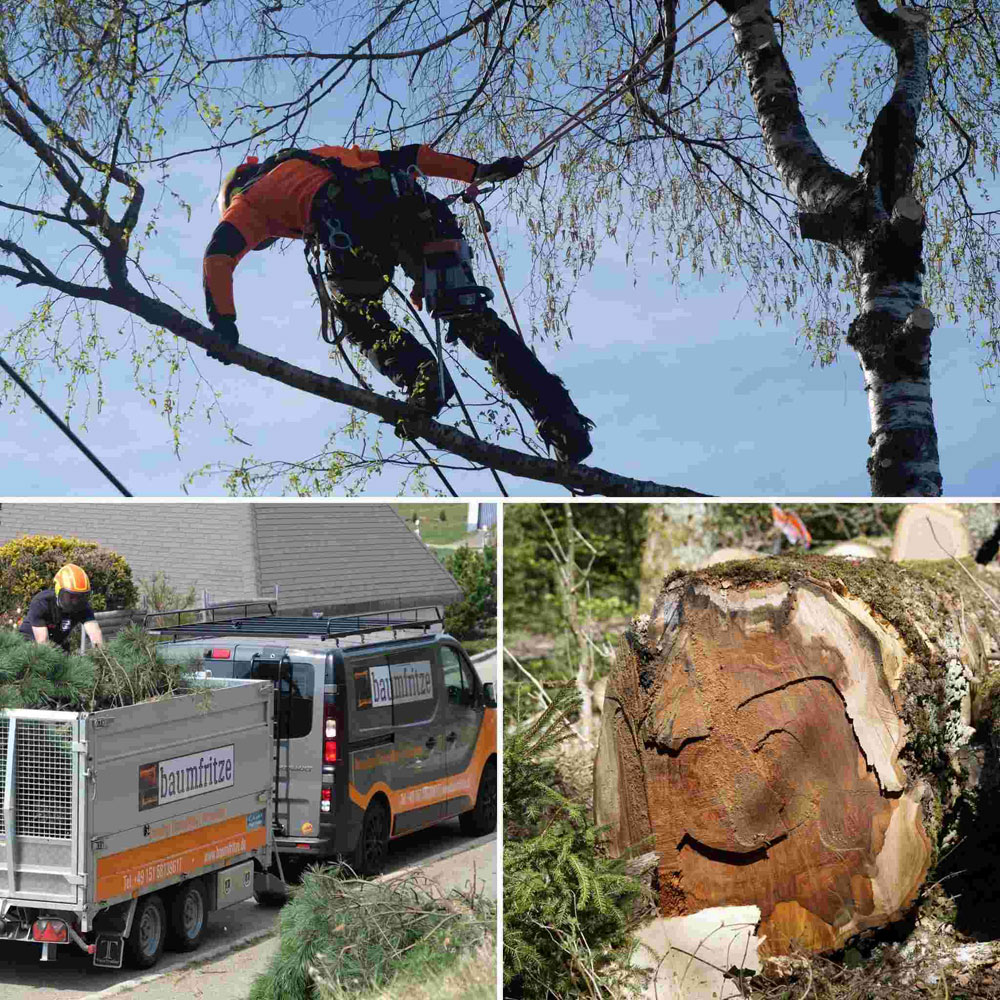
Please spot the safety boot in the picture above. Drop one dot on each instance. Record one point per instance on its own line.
(425, 389)
(568, 435)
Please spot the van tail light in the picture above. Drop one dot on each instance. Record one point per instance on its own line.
(331, 745)
(45, 929)
(326, 800)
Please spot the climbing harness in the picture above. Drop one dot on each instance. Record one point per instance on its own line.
(336, 237)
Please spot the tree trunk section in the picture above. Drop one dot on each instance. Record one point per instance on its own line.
(794, 733)
(892, 337)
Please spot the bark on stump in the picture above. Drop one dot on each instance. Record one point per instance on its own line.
(794, 733)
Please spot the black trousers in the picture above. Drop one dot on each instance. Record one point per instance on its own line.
(386, 226)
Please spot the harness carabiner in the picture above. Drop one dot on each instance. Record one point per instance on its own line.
(338, 238)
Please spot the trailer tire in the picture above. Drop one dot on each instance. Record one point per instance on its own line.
(188, 916)
(368, 856)
(482, 817)
(144, 945)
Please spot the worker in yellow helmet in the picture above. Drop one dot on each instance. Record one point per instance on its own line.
(54, 612)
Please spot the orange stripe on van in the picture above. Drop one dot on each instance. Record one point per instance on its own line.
(133, 871)
(431, 792)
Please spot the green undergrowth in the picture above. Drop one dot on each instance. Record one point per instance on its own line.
(124, 671)
(568, 907)
(345, 938)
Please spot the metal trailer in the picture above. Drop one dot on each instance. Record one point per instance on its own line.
(121, 830)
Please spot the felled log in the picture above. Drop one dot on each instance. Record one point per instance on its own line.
(795, 733)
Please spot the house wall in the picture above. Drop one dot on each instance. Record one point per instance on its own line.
(334, 558)
(204, 545)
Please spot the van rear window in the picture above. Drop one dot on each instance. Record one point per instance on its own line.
(293, 695)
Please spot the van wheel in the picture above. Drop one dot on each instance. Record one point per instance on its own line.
(482, 817)
(368, 857)
(188, 916)
(144, 945)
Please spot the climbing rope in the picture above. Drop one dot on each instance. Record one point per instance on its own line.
(615, 89)
(458, 396)
(623, 83)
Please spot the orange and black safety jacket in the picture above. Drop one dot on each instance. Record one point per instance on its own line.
(278, 204)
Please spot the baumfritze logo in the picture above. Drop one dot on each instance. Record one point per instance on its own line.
(178, 778)
(401, 683)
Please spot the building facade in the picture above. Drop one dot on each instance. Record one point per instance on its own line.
(326, 557)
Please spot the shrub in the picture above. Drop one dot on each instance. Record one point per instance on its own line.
(158, 595)
(475, 570)
(28, 564)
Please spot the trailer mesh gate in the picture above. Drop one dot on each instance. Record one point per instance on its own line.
(43, 787)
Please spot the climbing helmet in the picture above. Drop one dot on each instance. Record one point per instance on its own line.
(235, 181)
(72, 587)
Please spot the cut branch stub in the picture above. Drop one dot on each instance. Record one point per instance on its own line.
(908, 219)
(755, 735)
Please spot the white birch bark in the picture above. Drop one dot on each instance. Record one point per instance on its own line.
(874, 220)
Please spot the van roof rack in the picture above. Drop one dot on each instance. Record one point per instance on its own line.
(312, 627)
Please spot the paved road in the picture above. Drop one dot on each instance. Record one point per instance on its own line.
(72, 977)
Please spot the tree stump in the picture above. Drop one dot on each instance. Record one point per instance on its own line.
(795, 733)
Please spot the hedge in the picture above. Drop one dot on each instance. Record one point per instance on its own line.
(28, 564)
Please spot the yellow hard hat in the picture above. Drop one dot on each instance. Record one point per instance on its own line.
(72, 587)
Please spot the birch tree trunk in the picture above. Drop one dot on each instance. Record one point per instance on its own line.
(874, 219)
(795, 733)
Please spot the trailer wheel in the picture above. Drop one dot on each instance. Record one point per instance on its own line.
(188, 916)
(482, 817)
(368, 856)
(144, 945)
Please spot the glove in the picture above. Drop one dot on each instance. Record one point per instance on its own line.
(227, 334)
(499, 170)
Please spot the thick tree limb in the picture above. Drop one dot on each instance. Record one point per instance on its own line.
(805, 172)
(579, 478)
(890, 155)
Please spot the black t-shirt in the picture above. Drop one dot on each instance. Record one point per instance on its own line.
(44, 611)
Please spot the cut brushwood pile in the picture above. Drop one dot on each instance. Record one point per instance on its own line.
(124, 671)
(798, 734)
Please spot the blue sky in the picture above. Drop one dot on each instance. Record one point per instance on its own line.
(684, 386)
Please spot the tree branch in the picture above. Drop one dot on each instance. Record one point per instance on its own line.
(807, 175)
(354, 56)
(580, 478)
(890, 154)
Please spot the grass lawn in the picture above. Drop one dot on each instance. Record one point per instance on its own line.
(433, 530)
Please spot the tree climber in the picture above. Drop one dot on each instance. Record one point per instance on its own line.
(367, 211)
(53, 612)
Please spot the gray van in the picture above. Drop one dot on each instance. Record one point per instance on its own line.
(382, 725)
